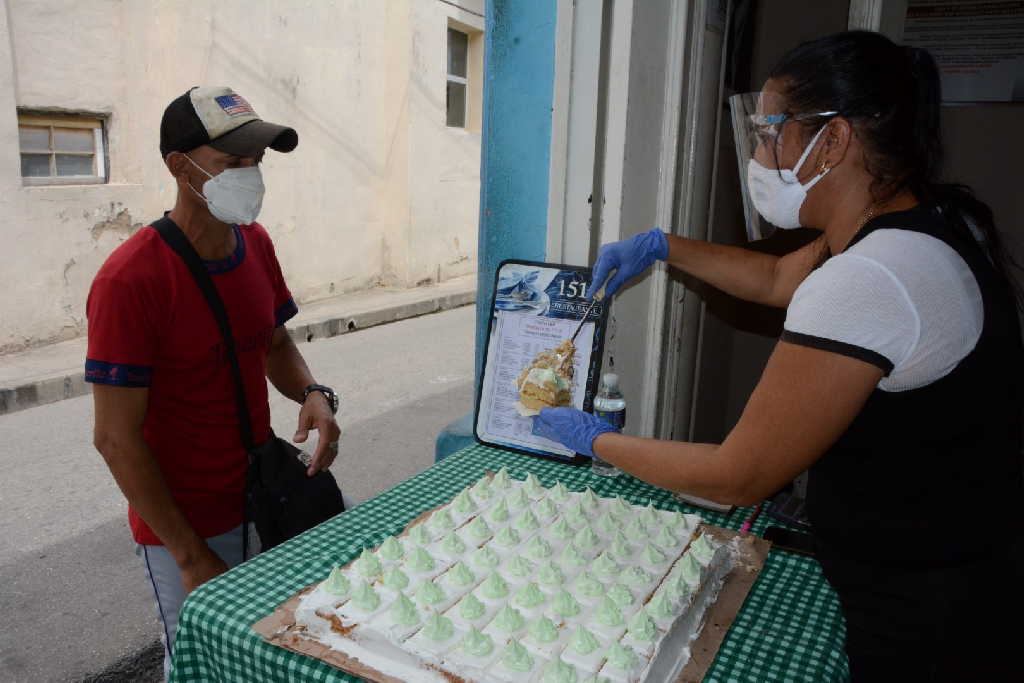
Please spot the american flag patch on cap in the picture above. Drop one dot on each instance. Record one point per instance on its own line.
(234, 105)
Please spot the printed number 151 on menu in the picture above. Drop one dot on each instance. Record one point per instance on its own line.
(572, 290)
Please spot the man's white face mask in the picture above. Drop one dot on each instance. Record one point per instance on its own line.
(235, 195)
(777, 193)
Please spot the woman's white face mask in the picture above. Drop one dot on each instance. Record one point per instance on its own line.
(235, 195)
(777, 193)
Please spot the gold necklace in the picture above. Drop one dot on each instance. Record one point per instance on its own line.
(864, 218)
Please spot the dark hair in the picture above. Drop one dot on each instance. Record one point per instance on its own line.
(891, 94)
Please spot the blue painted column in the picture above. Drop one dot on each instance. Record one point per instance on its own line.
(519, 71)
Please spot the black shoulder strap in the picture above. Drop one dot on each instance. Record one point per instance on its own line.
(177, 241)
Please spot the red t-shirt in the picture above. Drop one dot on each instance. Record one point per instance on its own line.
(149, 326)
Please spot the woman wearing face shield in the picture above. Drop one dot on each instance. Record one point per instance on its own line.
(896, 381)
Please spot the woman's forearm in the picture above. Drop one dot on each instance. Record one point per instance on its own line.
(692, 468)
(740, 272)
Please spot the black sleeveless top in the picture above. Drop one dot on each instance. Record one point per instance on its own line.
(931, 477)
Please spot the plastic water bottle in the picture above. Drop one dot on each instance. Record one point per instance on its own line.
(610, 406)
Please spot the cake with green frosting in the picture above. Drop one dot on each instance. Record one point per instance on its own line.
(513, 581)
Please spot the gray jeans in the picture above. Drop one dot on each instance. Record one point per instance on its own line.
(164, 577)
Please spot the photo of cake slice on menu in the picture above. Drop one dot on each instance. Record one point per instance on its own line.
(547, 381)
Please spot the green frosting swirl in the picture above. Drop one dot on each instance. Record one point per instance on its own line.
(689, 568)
(620, 595)
(501, 480)
(368, 565)
(442, 521)
(590, 499)
(608, 613)
(391, 549)
(420, 561)
(518, 499)
(478, 529)
(576, 515)
(588, 586)
(337, 583)
(429, 593)
(543, 631)
(529, 596)
(660, 607)
(586, 538)
(619, 507)
(572, 557)
(619, 547)
(607, 523)
(550, 575)
(559, 493)
(477, 644)
(452, 544)
(652, 555)
(564, 605)
(438, 628)
(677, 521)
(527, 522)
(562, 531)
(558, 671)
(499, 513)
(482, 489)
(533, 485)
(635, 529)
(507, 537)
(508, 620)
(395, 579)
(702, 549)
(403, 612)
(463, 503)
(516, 658)
(365, 598)
(649, 515)
(418, 535)
(641, 627)
(621, 657)
(538, 548)
(674, 588)
(494, 587)
(546, 509)
(484, 556)
(665, 538)
(460, 575)
(583, 641)
(519, 567)
(604, 566)
(470, 608)
(634, 576)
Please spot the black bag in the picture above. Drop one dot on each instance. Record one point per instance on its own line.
(280, 498)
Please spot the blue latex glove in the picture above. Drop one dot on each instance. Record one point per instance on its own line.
(628, 258)
(571, 427)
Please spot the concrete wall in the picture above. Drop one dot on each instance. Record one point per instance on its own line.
(379, 191)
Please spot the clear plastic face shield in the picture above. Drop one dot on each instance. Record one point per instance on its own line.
(760, 125)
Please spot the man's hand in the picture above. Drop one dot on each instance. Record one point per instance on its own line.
(572, 427)
(316, 414)
(197, 572)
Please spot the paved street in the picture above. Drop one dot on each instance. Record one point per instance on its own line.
(75, 598)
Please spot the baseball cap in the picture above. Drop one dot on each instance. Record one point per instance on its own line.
(223, 119)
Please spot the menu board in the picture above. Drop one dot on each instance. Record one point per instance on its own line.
(535, 307)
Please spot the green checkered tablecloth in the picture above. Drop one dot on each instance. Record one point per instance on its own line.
(789, 629)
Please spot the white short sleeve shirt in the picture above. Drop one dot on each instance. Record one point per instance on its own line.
(900, 299)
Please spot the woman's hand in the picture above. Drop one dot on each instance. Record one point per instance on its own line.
(572, 428)
(628, 258)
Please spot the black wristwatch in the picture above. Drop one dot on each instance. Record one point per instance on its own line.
(332, 398)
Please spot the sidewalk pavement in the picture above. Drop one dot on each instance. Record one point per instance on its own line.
(55, 372)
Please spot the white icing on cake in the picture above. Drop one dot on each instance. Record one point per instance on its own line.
(639, 547)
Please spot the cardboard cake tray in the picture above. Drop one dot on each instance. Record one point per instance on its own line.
(279, 628)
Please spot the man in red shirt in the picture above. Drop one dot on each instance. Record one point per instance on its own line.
(166, 419)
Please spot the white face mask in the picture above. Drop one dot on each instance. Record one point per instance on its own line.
(235, 195)
(777, 193)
